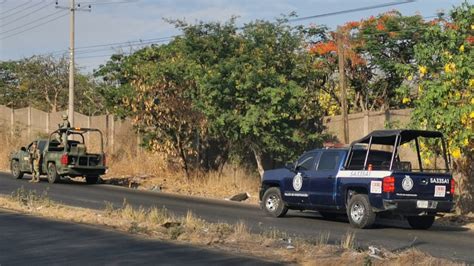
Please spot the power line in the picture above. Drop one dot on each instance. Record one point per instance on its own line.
(108, 3)
(26, 15)
(22, 10)
(30, 23)
(352, 10)
(34, 27)
(8, 11)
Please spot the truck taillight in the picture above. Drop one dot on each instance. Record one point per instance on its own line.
(64, 159)
(453, 186)
(388, 184)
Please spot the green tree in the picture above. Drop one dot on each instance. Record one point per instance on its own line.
(257, 86)
(444, 99)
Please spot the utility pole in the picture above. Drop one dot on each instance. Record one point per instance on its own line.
(72, 9)
(71, 63)
(342, 83)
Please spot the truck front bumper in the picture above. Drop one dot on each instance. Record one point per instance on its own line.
(414, 207)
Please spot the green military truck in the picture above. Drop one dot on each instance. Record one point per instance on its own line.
(64, 153)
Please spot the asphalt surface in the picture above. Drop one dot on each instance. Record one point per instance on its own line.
(448, 242)
(28, 240)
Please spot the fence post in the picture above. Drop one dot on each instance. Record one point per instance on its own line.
(29, 123)
(366, 122)
(107, 131)
(47, 122)
(88, 126)
(112, 135)
(12, 121)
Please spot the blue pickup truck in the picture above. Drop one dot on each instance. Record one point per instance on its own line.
(367, 179)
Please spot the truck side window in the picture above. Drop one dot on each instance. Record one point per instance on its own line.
(329, 160)
(306, 162)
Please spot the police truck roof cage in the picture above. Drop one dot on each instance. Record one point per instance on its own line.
(387, 137)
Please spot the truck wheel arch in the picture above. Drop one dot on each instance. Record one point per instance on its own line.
(350, 191)
(266, 186)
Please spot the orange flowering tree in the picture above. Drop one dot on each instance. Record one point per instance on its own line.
(376, 50)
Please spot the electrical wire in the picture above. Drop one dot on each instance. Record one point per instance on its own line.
(23, 10)
(21, 5)
(34, 27)
(352, 10)
(31, 22)
(26, 15)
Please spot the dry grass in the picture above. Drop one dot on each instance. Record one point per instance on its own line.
(161, 224)
(148, 171)
(138, 168)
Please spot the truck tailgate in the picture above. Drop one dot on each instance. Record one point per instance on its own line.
(427, 186)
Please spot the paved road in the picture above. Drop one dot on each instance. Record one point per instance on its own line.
(448, 242)
(27, 240)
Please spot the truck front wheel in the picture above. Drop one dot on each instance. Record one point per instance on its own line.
(53, 176)
(420, 222)
(272, 203)
(15, 169)
(359, 211)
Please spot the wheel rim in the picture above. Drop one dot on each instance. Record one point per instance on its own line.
(272, 203)
(357, 212)
(15, 168)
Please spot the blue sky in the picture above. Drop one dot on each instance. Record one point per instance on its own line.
(143, 20)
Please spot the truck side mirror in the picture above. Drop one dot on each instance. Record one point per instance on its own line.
(290, 166)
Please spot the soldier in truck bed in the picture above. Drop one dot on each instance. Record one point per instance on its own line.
(63, 125)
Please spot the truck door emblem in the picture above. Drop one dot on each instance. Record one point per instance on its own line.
(297, 182)
(407, 183)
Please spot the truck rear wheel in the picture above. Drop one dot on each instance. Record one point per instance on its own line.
(359, 211)
(92, 179)
(53, 176)
(420, 222)
(15, 169)
(272, 203)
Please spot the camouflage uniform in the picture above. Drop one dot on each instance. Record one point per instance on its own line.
(35, 158)
(65, 124)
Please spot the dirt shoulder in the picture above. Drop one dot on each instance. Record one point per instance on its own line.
(162, 225)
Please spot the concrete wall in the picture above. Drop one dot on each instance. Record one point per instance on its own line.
(32, 123)
(360, 124)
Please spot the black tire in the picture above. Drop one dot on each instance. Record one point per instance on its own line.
(53, 176)
(92, 179)
(329, 215)
(421, 222)
(272, 203)
(359, 211)
(15, 169)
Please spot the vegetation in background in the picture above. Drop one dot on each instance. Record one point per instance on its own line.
(444, 100)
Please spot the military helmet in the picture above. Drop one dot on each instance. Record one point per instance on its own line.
(64, 116)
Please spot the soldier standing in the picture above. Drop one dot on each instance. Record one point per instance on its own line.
(35, 157)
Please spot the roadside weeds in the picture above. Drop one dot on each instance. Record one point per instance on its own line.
(160, 224)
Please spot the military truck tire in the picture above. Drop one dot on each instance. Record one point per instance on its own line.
(53, 176)
(359, 211)
(420, 222)
(272, 203)
(15, 169)
(92, 179)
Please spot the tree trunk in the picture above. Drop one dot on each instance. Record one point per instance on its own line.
(464, 169)
(258, 159)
